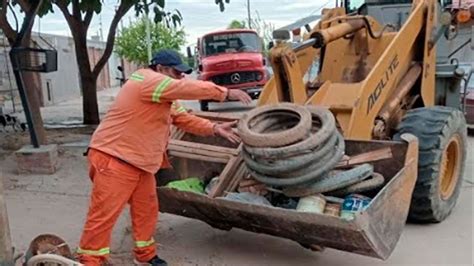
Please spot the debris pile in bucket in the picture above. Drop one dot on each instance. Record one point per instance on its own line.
(294, 150)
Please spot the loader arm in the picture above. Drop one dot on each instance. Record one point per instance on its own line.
(301, 57)
(394, 63)
(361, 68)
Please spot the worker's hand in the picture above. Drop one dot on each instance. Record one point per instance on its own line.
(225, 130)
(238, 95)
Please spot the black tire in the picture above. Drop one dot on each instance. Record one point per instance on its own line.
(264, 115)
(204, 106)
(332, 182)
(325, 128)
(439, 130)
(308, 174)
(375, 181)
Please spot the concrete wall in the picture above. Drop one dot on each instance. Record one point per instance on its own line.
(63, 84)
(114, 62)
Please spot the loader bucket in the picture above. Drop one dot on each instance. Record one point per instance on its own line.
(373, 232)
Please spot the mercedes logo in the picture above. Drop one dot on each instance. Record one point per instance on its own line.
(235, 78)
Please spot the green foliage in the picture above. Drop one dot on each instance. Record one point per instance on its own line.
(156, 7)
(141, 6)
(237, 24)
(131, 43)
(45, 8)
(160, 14)
(221, 5)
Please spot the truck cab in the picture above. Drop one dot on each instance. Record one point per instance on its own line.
(232, 58)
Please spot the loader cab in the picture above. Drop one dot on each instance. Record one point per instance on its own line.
(393, 12)
(358, 5)
(355, 5)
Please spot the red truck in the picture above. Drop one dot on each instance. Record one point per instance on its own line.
(232, 58)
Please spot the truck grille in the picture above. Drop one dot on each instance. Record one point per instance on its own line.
(236, 78)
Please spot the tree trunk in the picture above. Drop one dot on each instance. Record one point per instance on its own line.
(88, 75)
(89, 102)
(90, 108)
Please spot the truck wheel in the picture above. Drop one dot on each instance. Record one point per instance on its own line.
(204, 106)
(441, 132)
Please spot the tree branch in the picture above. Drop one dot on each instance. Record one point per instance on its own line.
(62, 5)
(121, 11)
(24, 5)
(76, 12)
(88, 18)
(27, 25)
(6, 27)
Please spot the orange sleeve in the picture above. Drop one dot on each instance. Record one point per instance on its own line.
(160, 88)
(189, 122)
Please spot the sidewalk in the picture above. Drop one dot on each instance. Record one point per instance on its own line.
(67, 112)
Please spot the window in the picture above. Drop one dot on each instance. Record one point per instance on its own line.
(231, 43)
(353, 5)
(48, 90)
(445, 3)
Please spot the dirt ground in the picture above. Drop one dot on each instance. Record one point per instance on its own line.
(57, 204)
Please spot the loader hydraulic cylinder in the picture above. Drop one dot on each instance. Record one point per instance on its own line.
(325, 36)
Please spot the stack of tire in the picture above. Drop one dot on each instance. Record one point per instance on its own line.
(295, 147)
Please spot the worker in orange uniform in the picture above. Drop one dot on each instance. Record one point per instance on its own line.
(129, 146)
(189, 123)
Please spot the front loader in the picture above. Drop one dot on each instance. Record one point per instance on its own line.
(381, 77)
(392, 96)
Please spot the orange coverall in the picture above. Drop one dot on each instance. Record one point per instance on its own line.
(127, 149)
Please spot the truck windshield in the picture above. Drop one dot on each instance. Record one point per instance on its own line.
(231, 43)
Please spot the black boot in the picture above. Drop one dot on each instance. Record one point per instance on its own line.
(155, 261)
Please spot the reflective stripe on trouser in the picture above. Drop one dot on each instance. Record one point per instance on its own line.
(100, 252)
(114, 184)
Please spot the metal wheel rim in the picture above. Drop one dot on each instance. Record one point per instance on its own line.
(449, 170)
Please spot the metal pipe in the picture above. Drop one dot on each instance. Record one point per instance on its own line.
(15, 51)
(325, 36)
(23, 96)
(147, 32)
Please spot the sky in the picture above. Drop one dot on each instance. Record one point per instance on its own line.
(199, 16)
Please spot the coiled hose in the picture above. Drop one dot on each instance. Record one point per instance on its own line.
(294, 157)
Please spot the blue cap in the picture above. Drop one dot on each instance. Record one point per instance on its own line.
(170, 58)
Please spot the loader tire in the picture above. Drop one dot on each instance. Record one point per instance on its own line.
(441, 133)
